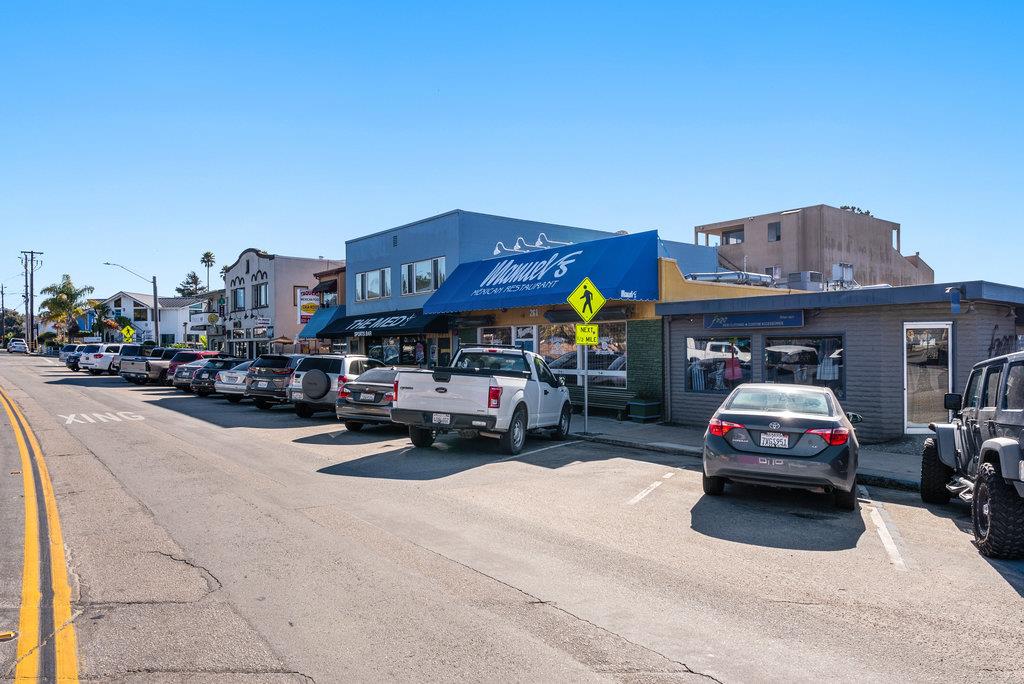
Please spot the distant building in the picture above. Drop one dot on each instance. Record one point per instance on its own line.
(818, 239)
(138, 309)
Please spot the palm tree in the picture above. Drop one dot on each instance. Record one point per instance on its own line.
(224, 270)
(207, 260)
(64, 302)
(99, 324)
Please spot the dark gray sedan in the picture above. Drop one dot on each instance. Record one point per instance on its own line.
(783, 436)
(367, 399)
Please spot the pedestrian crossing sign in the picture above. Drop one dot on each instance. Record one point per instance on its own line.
(586, 300)
(128, 333)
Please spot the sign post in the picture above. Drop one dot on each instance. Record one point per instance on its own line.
(586, 300)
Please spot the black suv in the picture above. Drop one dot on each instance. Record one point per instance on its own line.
(978, 456)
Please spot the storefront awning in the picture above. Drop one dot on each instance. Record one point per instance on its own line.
(623, 268)
(326, 286)
(321, 319)
(407, 322)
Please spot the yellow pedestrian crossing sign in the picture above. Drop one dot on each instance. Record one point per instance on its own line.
(128, 333)
(586, 299)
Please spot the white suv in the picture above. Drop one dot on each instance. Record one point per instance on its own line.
(315, 382)
(101, 360)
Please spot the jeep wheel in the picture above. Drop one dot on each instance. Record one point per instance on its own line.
(353, 426)
(845, 501)
(513, 439)
(561, 430)
(203, 393)
(262, 404)
(713, 486)
(421, 437)
(935, 475)
(304, 410)
(998, 514)
(234, 398)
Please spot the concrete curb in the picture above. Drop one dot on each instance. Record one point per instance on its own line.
(872, 478)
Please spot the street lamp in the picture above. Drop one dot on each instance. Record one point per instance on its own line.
(156, 301)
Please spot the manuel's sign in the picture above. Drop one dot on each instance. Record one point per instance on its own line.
(511, 276)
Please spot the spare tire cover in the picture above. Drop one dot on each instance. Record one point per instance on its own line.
(315, 384)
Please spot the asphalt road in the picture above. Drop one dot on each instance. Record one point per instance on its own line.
(213, 542)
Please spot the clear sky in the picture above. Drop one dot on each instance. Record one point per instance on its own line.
(146, 133)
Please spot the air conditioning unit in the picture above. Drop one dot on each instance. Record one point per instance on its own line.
(805, 280)
(842, 273)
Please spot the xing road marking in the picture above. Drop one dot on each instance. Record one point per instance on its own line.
(100, 417)
(47, 647)
(885, 533)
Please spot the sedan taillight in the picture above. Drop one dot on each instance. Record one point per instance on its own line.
(344, 393)
(720, 428)
(833, 436)
(218, 378)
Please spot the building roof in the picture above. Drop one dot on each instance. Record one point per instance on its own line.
(973, 290)
(716, 227)
(267, 255)
(331, 271)
(179, 302)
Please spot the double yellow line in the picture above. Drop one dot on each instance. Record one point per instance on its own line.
(47, 648)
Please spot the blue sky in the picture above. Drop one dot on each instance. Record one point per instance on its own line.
(146, 133)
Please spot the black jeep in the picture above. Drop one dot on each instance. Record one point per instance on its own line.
(978, 456)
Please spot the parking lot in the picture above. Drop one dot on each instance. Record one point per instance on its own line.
(208, 538)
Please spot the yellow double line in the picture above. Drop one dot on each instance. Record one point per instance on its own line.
(47, 648)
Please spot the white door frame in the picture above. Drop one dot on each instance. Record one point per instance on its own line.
(916, 428)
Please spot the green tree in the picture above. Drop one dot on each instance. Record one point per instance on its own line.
(207, 260)
(14, 324)
(190, 286)
(64, 302)
(224, 270)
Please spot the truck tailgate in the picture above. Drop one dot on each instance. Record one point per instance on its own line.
(427, 391)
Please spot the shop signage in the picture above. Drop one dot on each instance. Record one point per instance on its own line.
(363, 327)
(309, 302)
(261, 321)
(586, 300)
(773, 319)
(586, 334)
(128, 333)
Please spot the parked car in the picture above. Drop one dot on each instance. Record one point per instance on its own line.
(315, 382)
(267, 380)
(65, 350)
(17, 346)
(100, 361)
(74, 357)
(127, 350)
(204, 380)
(187, 356)
(183, 374)
(367, 399)
(231, 383)
(979, 456)
(790, 436)
(152, 368)
(492, 391)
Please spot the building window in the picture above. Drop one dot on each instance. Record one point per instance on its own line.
(774, 231)
(329, 299)
(502, 335)
(238, 299)
(195, 308)
(260, 295)
(606, 362)
(375, 284)
(717, 364)
(140, 313)
(733, 236)
(806, 361)
(557, 344)
(423, 276)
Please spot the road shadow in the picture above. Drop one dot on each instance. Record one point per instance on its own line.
(228, 415)
(88, 381)
(777, 518)
(370, 434)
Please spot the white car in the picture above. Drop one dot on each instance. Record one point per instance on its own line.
(316, 380)
(66, 350)
(99, 358)
(489, 390)
(231, 383)
(17, 346)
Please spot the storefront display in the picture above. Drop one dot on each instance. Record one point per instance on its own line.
(806, 361)
(717, 364)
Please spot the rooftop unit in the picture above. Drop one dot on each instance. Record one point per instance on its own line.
(806, 280)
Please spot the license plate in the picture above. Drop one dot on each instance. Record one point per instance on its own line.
(263, 383)
(296, 395)
(441, 418)
(775, 440)
(366, 396)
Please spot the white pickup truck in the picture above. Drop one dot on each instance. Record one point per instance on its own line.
(491, 391)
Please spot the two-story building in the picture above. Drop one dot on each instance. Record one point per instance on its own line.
(264, 295)
(209, 322)
(175, 316)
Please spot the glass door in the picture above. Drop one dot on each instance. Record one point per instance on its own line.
(927, 374)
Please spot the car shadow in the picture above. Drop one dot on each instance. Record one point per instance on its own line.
(777, 518)
(88, 381)
(226, 414)
(368, 435)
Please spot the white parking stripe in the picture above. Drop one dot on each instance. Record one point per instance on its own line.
(871, 509)
(667, 475)
(534, 451)
(650, 488)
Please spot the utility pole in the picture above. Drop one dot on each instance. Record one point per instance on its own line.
(24, 263)
(30, 302)
(3, 316)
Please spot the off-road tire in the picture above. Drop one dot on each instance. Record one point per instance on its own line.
(1004, 536)
(421, 437)
(234, 398)
(935, 475)
(845, 501)
(353, 426)
(262, 404)
(303, 411)
(713, 486)
(514, 439)
(561, 430)
(203, 393)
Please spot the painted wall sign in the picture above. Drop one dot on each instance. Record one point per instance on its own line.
(771, 319)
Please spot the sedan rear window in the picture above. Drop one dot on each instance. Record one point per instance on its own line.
(384, 376)
(222, 364)
(271, 362)
(185, 357)
(322, 363)
(169, 354)
(797, 401)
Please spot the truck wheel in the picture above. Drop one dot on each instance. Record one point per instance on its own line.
(846, 501)
(561, 431)
(713, 486)
(234, 398)
(935, 475)
(353, 426)
(998, 514)
(304, 410)
(421, 437)
(513, 439)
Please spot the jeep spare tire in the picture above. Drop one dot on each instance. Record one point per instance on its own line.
(315, 384)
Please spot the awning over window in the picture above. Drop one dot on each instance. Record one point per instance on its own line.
(623, 268)
(321, 319)
(327, 286)
(408, 322)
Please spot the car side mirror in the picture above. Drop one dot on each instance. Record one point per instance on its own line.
(855, 418)
(952, 402)
(561, 381)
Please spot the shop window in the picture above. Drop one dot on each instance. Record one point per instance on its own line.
(522, 337)
(774, 231)
(423, 276)
(557, 344)
(329, 299)
(717, 364)
(806, 361)
(606, 361)
(502, 335)
(375, 284)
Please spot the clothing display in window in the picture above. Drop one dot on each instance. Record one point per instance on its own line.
(828, 369)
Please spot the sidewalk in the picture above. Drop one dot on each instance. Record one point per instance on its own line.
(877, 467)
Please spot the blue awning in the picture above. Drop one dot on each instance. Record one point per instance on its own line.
(320, 320)
(623, 268)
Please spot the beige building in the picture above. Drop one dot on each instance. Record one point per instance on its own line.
(817, 239)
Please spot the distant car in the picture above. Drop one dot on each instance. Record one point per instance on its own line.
(205, 379)
(183, 374)
(86, 352)
(367, 399)
(126, 351)
(74, 357)
(315, 382)
(790, 436)
(268, 378)
(231, 383)
(101, 360)
(187, 356)
(65, 351)
(142, 369)
(17, 346)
